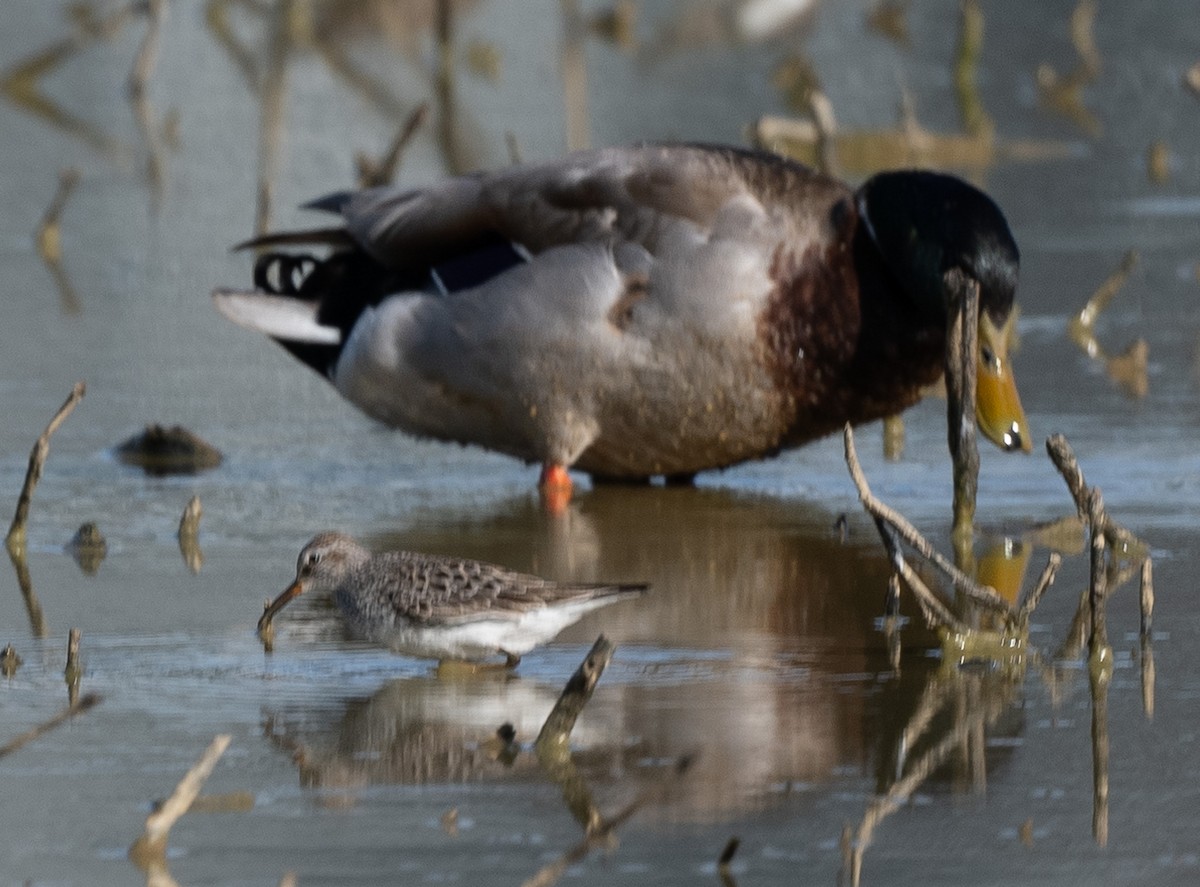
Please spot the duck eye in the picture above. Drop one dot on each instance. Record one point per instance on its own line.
(988, 357)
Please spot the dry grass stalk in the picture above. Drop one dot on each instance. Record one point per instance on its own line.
(151, 845)
(1120, 540)
(894, 522)
(37, 460)
(1044, 582)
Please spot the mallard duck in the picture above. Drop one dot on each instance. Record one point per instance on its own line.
(437, 607)
(640, 311)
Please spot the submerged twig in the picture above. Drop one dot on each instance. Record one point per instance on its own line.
(37, 460)
(80, 705)
(151, 845)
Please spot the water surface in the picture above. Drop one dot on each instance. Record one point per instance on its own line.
(758, 652)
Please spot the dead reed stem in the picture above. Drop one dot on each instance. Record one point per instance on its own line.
(37, 460)
(151, 845)
(73, 673)
(897, 523)
(1044, 582)
(556, 731)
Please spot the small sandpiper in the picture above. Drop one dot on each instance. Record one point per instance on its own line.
(436, 607)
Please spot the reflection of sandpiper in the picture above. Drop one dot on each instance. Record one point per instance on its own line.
(437, 607)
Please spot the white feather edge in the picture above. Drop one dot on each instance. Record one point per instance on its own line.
(280, 317)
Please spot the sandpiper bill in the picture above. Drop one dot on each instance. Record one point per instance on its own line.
(437, 607)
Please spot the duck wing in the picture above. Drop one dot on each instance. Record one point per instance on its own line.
(627, 194)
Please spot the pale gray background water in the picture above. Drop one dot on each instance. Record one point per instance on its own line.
(757, 650)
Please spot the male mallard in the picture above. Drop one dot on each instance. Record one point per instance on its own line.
(649, 310)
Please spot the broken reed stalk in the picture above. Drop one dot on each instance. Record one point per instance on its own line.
(962, 345)
(884, 515)
(80, 705)
(151, 845)
(73, 673)
(556, 731)
(1063, 457)
(37, 460)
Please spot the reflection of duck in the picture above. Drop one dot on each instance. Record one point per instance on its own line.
(757, 650)
(656, 310)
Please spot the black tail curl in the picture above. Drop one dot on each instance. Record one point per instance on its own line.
(283, 274)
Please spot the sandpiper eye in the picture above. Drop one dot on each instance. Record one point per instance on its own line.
(313, 558)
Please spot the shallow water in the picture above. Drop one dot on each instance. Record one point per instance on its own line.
(758, 651)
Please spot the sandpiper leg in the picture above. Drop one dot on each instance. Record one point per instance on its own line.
(511, 660)
(555, 487)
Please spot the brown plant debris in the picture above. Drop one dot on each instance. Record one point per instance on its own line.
(160, 450)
